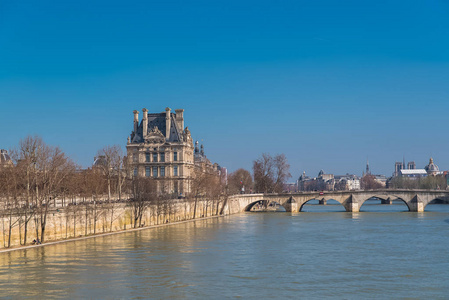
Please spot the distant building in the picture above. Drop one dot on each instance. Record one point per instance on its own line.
(161, 148)
(347, 182)
(412, 172)
(328, 182)
(382, 179)
(100, 162)
(5, 159)
(302, 182)
(411, 165)
(432, 169)
(398, 166)
(291, 187)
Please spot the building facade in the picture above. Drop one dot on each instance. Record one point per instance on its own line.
(161, 148)
(328, 182)
(412, 172)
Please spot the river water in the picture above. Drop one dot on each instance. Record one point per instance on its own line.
(382, 252)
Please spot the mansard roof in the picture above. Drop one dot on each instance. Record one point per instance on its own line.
(157, 125)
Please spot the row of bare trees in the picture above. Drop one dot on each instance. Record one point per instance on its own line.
(438, 182)
(41, 179)
(29, 187)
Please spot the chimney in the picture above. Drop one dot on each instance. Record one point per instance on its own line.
(145, 122)
(136, 120)
(180, 118)
(167, 123)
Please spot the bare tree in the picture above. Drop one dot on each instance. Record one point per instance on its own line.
(9, 195)
(429, 182)
(144, 194)
(281, 172)
(26, 159)
(368, 182)
(43, 169)
(112, 165)
(240, 179)
(263, 173)
(270, 173)
(54, 168)
(204, 185)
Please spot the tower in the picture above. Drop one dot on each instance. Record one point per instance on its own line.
(367, 167)
(398, 166)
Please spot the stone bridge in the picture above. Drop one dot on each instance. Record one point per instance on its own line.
(416, 200)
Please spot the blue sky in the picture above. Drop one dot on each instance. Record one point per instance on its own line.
(328, 83)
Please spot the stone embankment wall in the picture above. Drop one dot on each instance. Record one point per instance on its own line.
(83, 220)
(235, 205)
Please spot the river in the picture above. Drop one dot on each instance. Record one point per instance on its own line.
(381, 252)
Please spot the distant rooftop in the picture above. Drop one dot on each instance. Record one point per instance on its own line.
(413, 172)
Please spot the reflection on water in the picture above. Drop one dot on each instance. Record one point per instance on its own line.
(387, 254)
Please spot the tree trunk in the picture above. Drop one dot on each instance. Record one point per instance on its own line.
(112, 217)
(25, 229)
(10, 229)
(119, 185)
(109, 189)
(95, 217)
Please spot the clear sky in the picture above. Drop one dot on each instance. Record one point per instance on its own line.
(328, 83)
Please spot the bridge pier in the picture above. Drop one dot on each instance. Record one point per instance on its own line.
(354, 207)
(322, 202)
(291, 205)
(416, 205)
(351, 204)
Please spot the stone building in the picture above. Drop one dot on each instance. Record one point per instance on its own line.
(160, 147)
(399, 166)
(348, 182)
(412, 172)
(432, 169)
(5, 159)
(328, 182)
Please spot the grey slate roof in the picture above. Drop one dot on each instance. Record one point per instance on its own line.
(158, 120)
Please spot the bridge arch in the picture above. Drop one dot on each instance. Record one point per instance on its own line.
(319, 199)
(384, 197)
(263, 201)
(436, 200)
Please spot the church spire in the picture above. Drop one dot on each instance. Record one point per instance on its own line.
(367, 167)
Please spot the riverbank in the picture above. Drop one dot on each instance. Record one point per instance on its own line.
(105, 234)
